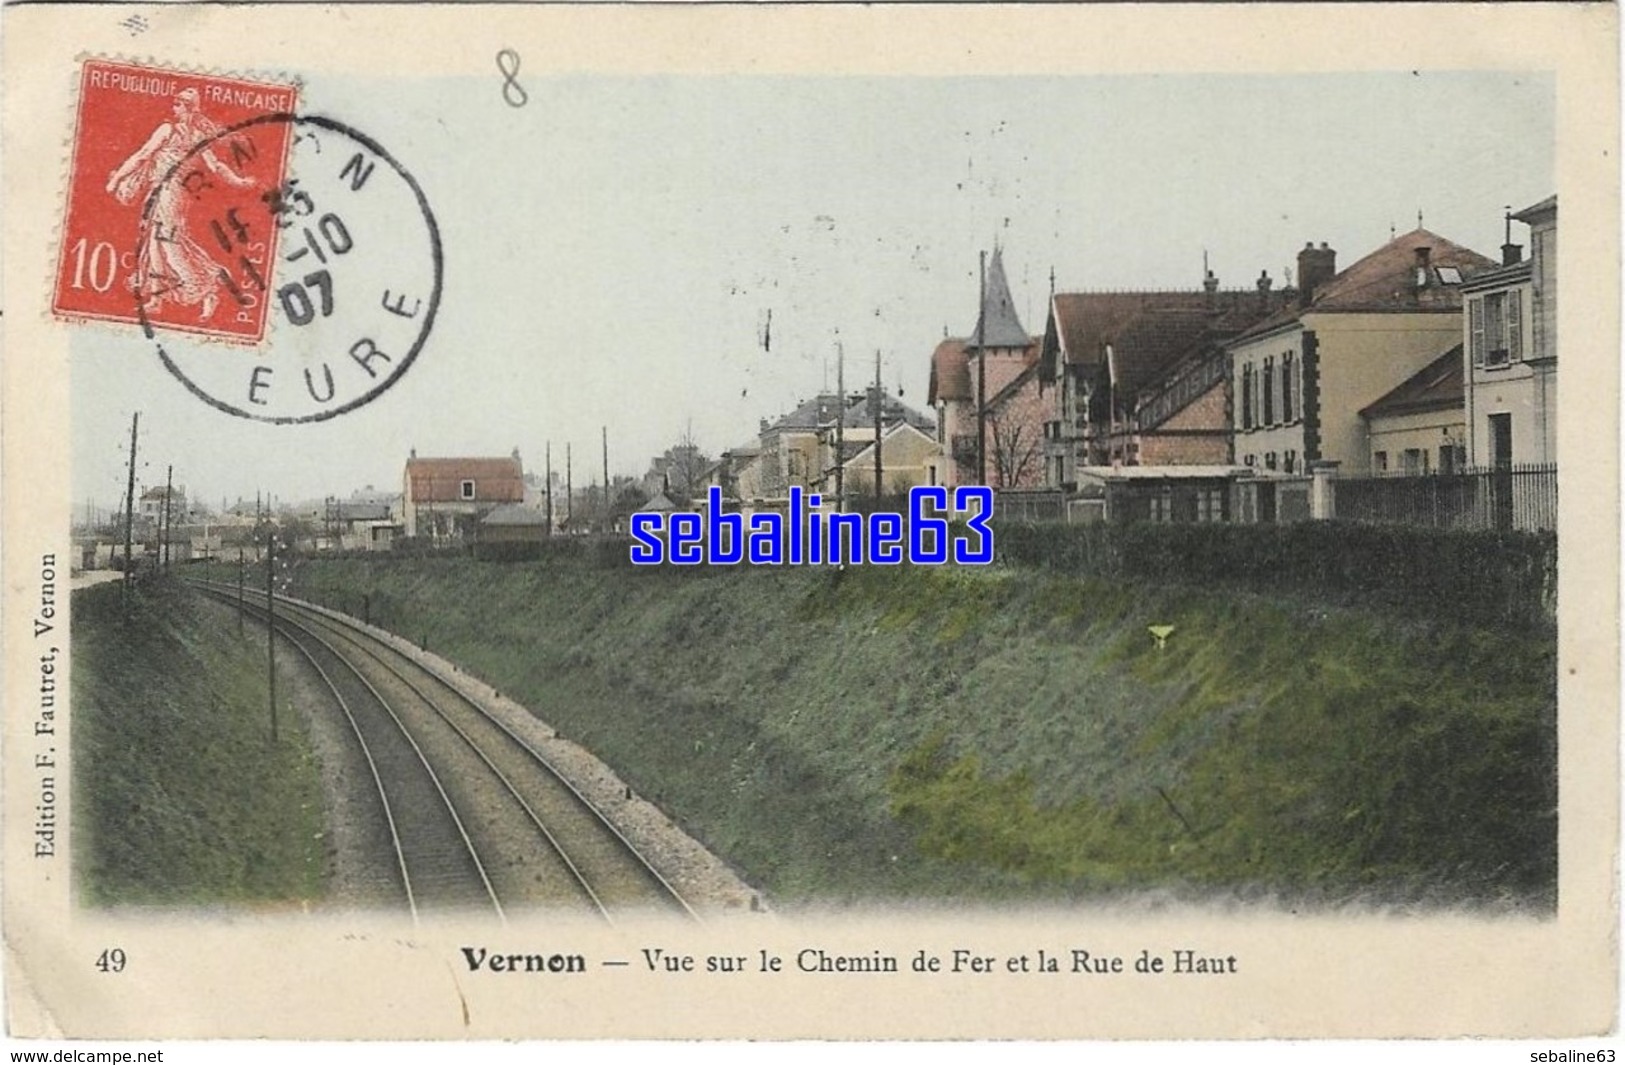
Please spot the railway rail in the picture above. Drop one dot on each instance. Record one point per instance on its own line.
(477, 818)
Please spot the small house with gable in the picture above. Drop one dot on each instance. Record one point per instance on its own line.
(445, 498)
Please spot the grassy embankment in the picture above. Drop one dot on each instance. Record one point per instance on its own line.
(179, 795)
(1010, 733)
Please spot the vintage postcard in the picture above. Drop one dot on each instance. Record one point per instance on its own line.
(835, 522)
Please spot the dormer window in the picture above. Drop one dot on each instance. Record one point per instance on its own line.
(467, 490)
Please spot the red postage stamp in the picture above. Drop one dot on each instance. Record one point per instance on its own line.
(167, 223)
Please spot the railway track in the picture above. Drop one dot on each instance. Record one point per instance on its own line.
(477, 818)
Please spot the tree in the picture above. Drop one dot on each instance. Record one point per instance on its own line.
(685, 466)
(1014, 451)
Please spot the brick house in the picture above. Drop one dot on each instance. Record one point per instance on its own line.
(1140, 377)
(445, 498)
(1000, 359)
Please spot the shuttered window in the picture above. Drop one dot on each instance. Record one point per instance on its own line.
(1287, 405)
(1269, 391)
(1514, 344)
(1475, 327)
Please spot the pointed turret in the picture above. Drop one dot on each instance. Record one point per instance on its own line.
(998, 326)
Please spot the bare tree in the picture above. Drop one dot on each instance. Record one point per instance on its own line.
(685, 467)
(1015, 451)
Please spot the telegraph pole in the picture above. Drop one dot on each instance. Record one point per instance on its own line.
(981, 376)
(605, 432)
(879, 397)
(270, 622)
(840, 428)
(549, 491)
(169, 482)
(129, 510)
(240, 569)
(569, 485)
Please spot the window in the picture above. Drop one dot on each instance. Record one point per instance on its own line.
(1287, 406)
(1495, 323)
(1289, 462)
(1247, 396)
(1413, 460)
(1209, 504)
(1269, 391)
(1381, 460)
(468, 490)
(1269, 460)
(1452, 458)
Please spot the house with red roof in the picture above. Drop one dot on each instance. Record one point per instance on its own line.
(446, 498)
(985, 391)
(1302, 377)
(1139, 378)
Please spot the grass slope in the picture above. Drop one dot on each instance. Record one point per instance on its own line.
(179, 795)
(1004, 732)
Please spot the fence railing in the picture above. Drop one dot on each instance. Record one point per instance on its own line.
(1030, 506)
(1511, 497)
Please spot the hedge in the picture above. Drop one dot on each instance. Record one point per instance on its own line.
(1480, 577)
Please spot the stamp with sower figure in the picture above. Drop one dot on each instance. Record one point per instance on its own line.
(134, 243)
(204, 208)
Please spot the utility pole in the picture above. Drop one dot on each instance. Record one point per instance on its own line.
(981, 376)
(840, 428)
(879, 396)
(549, 486)
(270, 622)
(605, 433)
(240, 570)
(569, 486)
(129, 511)
(169, 483)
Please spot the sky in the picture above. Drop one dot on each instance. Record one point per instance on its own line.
(662, 256)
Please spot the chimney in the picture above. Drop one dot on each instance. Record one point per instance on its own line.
(1264, 284)
(1316, 266)
(1511, 254)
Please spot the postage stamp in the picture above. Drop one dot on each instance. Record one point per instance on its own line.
(149, 145)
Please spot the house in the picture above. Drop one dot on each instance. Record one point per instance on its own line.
(807, 446)
(357, 526)
(908, 457)
(1141, 377)
(1302, 376)
(163, 504)
(994, 370)
(1418, 426)
(445, 498)
(1510, 337)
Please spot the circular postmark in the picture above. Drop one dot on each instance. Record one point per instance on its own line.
(340, 257)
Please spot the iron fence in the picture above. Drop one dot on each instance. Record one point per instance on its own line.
(1508, 497)
(1030, 506)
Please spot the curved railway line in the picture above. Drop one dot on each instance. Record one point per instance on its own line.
(477, 818)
